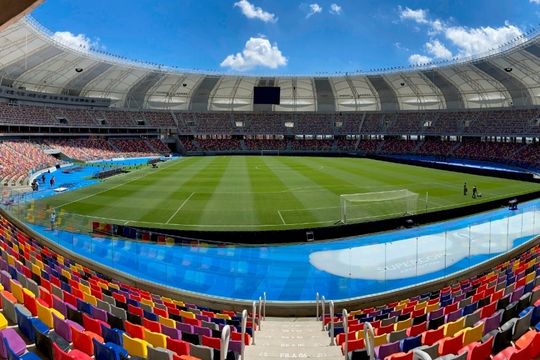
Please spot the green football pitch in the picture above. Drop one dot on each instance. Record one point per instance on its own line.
(270, 192)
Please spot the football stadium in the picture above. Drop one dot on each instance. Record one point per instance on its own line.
(152, 212)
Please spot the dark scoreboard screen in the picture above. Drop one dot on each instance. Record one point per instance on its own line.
(267, 95)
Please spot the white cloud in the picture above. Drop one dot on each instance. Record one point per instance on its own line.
(314, 9)
(336, 9)
(417, 59)
(79, 42)
(535, 1)
(258, 51)
(472, 41)
(418, 15)
(438, 50)
(254, 12)
(466, 41)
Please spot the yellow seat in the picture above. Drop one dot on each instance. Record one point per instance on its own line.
(530, 277)
(3, 322)
(91, 299)
(421, 305)
(187, 314)
(85, 289)
(223, 316)
(148, 302)
(473, 334)
(380, 340)
(432, 307)
(156, 339)
(451, 328)
(136, 347)
(167, 322)
(16, 290)
(402, 325)
(44, 314)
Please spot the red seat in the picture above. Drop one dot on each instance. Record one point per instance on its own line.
(478, 350)
(340, 338)
(355, 345)
(417, 329)
(530, 339)
(180, 347)
(384, 329)
(59, 354)
(488, 310)
(93, 325)
(430, 337)
(133, 330)
(151, 325)
(83, 341)
(237, 336)
(450, 345)
(212, 342)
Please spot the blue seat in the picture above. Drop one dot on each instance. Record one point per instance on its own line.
(150, 316)
(469, 309)
(410, 343)
(84, 307)
(108, 351)
(111, 335)
(26, 323)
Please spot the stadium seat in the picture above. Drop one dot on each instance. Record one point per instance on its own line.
(135, 347)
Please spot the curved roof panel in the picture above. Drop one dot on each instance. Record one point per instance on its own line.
(31, 59)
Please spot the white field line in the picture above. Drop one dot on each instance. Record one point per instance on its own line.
(108, 189)
(281, 217)
(180, 207)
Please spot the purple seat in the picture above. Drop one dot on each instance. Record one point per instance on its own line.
(59, 305)
(235, 346)
(171, 332)
(436, 314)
(394, 313)
(459, 297)
(203, 317)
(4, 279)
(202, 331)
(492, 322)
(15, 341)
(517, 294)
(385, 350)
(454, 315)
(99, 313)
(186, 328)
(62, 328)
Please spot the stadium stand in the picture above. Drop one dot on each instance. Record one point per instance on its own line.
(496, 313)
(68, 311)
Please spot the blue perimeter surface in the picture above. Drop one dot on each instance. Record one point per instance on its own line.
(338, 269)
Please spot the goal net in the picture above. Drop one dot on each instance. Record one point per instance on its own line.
(377, 205)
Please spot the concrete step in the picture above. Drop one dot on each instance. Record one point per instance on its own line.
(286, 338)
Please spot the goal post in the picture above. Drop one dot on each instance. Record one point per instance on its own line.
(377, 205)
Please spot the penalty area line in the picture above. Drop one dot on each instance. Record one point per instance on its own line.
(180, 207)
(281, 217)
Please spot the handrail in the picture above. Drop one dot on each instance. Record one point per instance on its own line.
(317, 304)
(323, 310)
(332, 338)
(244, 326)
(260, 312)
(225, 338)
(421, 355)
(253, 322)
(346, 331)
(369, 339)
(264, 306)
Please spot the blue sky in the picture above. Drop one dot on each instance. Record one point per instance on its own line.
(289, 36)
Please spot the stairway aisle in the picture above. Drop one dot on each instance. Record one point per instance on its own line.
(289, 338)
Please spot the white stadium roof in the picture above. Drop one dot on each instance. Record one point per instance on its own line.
(31, 59)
